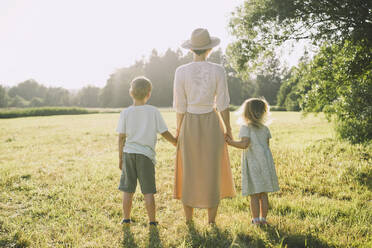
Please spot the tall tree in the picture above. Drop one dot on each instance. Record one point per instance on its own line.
(269, 80)
(338, 81)
(3, 97)
(263, 25)
(89, 96)
(28, 90)
(57, 96)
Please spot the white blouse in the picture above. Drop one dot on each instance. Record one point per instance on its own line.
(199, 87)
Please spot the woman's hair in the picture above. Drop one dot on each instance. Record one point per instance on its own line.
(140, 87)
(199, 52)
(255, 111)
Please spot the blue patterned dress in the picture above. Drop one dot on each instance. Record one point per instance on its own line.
(258, 169)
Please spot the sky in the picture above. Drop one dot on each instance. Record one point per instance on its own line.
(74, 43)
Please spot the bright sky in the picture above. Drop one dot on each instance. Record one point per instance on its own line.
(73, 43)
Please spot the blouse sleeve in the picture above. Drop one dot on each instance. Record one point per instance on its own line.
(179, 94)
(222, 94)
(244, 132)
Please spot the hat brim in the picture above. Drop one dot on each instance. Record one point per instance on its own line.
(214, 42)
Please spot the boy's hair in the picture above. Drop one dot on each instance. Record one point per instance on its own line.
(140, 87)
(255, 111)
(199, 52)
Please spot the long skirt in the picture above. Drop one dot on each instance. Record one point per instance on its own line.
(202, 173)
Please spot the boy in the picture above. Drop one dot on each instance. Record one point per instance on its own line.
(138, 127)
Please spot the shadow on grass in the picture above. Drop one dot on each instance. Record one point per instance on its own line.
(154, 238)
(210, 238)
(128, 239)
(296, 240)
(15, 241)
(215, 237)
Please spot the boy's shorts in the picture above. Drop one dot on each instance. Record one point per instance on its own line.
(141, 167)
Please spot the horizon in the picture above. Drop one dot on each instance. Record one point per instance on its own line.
(64, 44)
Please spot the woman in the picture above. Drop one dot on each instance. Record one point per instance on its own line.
(202, 174)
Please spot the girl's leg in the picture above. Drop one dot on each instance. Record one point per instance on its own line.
(150, 206)
(212, 213)
(127, 204)
(255, 206)
(188, 212)
(264, 205)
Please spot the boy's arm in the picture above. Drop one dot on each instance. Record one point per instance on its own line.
(168, 136)
(122, 138)
(241, 144)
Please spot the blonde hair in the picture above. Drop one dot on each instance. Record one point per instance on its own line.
(254, 111)
(140, 87)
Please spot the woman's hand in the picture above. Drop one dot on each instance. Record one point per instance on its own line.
(175, 141)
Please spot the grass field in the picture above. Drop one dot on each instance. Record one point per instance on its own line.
(59, 177)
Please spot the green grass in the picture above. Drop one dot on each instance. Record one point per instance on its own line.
(59, 178)
(43, 111)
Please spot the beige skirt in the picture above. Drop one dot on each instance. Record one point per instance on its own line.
(202, 174)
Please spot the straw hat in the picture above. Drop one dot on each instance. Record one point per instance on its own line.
(200, 40)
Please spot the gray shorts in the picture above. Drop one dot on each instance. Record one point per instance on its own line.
(137, 166)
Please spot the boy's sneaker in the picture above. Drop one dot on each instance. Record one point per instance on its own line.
(125, 221)
(153, 223)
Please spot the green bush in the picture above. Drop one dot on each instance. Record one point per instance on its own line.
(18, 102)
(45, 111)
(36, 102)
(340, 82)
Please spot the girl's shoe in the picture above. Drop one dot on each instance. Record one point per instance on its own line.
(256, 221)
(263, 221)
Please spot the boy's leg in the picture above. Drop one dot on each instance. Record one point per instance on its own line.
(188, 212)
(150, 206)
(127, 204)
(255, 206)
(212, 212)
(146, 177)
(264, 205)
(128, 183)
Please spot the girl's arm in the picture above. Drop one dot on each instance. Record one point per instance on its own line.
(241, 144)
(122, 138)
(180, 117)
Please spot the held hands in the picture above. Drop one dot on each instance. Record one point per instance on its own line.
(228, 139)
(228, 136)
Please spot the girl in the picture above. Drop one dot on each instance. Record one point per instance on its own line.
(258, 170)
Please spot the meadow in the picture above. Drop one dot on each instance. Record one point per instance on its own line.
(59, 178)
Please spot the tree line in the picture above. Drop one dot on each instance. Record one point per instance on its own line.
(159, 69)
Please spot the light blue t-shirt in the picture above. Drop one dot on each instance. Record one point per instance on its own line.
(141, 124)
